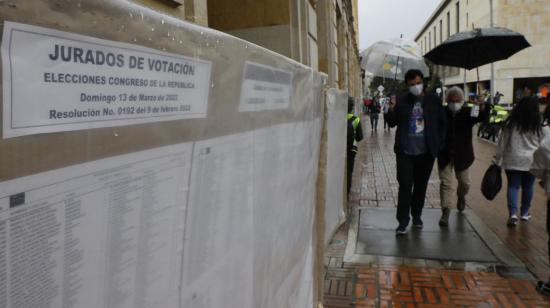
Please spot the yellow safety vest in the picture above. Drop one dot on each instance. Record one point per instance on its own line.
(356, 121)
(355, 124)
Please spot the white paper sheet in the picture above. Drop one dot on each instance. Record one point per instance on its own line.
(336, 161)
(107, 233)
(217, 262)
(58, 81)
(265, 88)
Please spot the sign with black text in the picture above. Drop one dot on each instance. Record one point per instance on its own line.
(57, 81)
(265, 88)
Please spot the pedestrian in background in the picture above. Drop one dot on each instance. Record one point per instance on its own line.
(386, 109)
(498, 95)
(354, 135)
(420, 121)
(521, 136)
(366, 104)
(375, 113)
(457, 154)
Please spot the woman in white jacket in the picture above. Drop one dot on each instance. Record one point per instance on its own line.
(521, 136)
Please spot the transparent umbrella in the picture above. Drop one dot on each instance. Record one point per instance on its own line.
(393, 58)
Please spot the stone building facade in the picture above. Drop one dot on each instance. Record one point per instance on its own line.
(528, 69)
(322, 34)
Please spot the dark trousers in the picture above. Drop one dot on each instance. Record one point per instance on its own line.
(351, 162)
(413, 173)
(374, 121)
(386, 123)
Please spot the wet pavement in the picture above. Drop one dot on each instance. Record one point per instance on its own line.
(458, 242)
(477, 262)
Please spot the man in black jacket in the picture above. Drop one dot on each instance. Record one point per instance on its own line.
(420, 122)
(458, 153)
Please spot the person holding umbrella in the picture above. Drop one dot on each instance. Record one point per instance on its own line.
(457, 154)
(471, 49)
(420, 121)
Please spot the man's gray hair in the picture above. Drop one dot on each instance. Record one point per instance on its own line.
(454, 91)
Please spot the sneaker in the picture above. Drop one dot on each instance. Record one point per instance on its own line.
(417, 223)
(512, 221)
(543, 287)
(401, 230)
(525, 217)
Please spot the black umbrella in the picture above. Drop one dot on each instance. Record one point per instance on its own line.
(480, 46)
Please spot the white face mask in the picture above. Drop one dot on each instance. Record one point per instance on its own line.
(416, 90)
(455, 107)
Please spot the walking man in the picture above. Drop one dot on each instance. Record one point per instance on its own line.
(420, 121)
(457, 154)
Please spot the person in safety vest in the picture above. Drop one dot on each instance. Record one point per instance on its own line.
(457, 154)
(354, 135)
(496, 119)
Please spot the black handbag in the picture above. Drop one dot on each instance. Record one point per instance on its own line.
(492, 182)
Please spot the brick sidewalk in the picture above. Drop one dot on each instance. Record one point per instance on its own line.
(389, 286)
(375, 185)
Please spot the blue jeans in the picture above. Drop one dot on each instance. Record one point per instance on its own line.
(526, 181)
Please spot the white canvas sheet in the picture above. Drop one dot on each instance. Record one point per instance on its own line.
(336, 104)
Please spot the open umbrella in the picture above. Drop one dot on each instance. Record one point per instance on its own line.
(480, 46)
(471, 49)
(393, 58)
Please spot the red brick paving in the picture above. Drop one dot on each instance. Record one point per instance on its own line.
(392, 286)
(352, 285)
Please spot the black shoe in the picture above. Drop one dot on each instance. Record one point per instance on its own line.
(444, 220)
(512, 221)
(401, 230)
(417, 223)
(543, 287)
(461, 206)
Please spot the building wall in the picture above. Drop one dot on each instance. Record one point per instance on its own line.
(529, 17)
(318, 33)
(328, 41)
(472, 14)
(355, 7)
(322, 34)
(196, 11)
(532, 19)
(172, 8)
(191, 10)
(279, 25)
(227, 15)
(274, 38)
